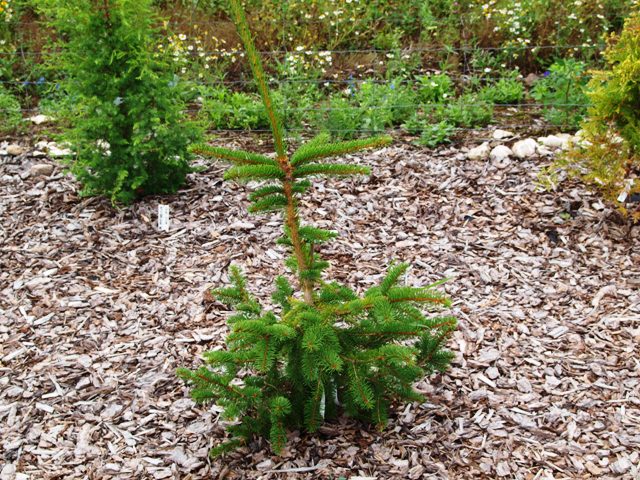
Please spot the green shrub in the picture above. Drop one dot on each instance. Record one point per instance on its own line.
(129, 132)
(324, 349)
(507, 91)
(435, 134)
(435, 88)
(384, 104)
(609, 155)
(296, 100)
(467, 111)
(371, 107)
(10, 112)
(561, 91)
(223, 109)
(340, 116)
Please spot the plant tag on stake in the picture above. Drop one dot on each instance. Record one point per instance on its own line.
(323, 403)
(627, 188)
(163, 218)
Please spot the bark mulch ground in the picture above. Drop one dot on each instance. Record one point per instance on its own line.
(98, 308)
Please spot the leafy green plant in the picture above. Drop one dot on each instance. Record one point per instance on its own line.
(10, 112)
(507, 90)
(370, 107)
(340, 116)
(323, 349)
(435, 88)
(561, 91)
(435, 134)
(467, 111)
(129, 133)
(384, 104)
(608, 156)
(224, 109)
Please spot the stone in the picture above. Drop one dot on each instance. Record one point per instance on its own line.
(41, 169)
(55, 151)
(480, 152)
(39, 119)
(15, 150)
(502, 134)
(525, 148)
(542, 150)
(531, 79)
(552, 141)
(500, 153)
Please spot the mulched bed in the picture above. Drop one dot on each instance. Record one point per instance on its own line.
(98, 308)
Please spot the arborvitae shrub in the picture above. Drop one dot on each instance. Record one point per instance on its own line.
(324, 349)
(129, 132)
(608, 157)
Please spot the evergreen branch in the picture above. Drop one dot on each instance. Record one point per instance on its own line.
(317, 150)
(268, 203)
(264, 191)
(331, 169)
(226, 447)
(362, 391)
(258, 74)
(318, 235)
(200, 376)
(254, 172)
(391, 279)
(237, 157)
(312, 408)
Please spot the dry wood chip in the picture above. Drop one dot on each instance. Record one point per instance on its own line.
(98, 309)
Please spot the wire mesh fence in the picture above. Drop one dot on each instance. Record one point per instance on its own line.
(340, 79)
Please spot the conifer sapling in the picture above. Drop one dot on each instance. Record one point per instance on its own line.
(327, 350)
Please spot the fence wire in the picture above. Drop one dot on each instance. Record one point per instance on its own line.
(334, 82)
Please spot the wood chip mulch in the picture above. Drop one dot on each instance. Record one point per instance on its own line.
(98, 308)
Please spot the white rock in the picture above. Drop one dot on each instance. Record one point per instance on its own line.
(39, 119)
(500, 153)
(56, 151)
(42, 145)
(552, 141)
(479, 153)
(502, 134)
(542, 150)
(525, 148)
(43, 169)
(580, 138)
(15, 150)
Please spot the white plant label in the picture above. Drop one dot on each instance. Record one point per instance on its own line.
(627, 188)
(323, 402)
(163, 218)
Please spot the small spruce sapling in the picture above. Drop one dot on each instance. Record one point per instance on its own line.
(327, 350)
